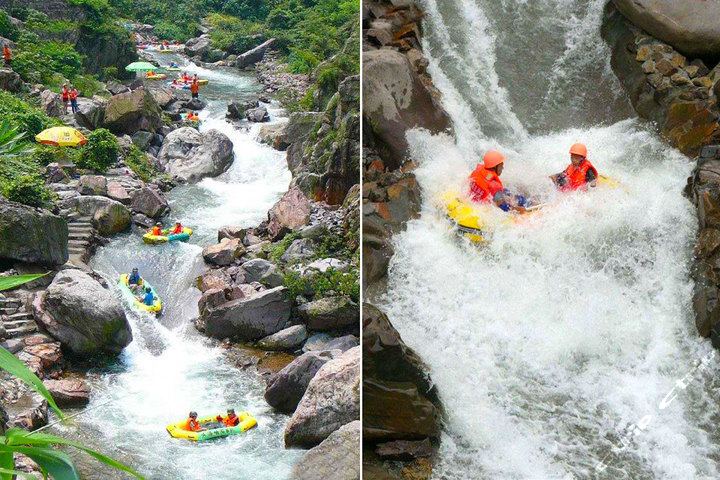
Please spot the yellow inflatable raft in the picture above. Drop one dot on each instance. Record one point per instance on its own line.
(215, 429)
(151, 239)
(130, 298)
(160, 76)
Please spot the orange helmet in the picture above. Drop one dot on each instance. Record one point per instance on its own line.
(493, 158)
(579, 149)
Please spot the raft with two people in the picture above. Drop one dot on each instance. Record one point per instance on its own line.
(167, 235)
(143, 287)
(476, 216)
(211, 427)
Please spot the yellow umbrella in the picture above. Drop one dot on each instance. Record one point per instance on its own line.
(61, 137)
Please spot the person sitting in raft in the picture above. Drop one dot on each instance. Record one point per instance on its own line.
(147, 297)
(192, 425)
(150, 74)
(580, 174)
(173, 65)
(192, 117)
(230, 420)
(134, 280)
(185, 77)
(156, 230)
(485, 185)
(178, 228)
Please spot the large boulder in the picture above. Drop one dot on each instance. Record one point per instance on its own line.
(251, 57)
(83, 316)
(257, 115)
(10, 81)
(161, 93)
(395, 100)
(32, 235)
(299, 127)
(690, 26)
(331, 400)
(51, 103)
(69, 392)
(337, 457)
(286, 388)
(190, 156)
(198, 46)
(330, 313)
(290, 338)
(133, 111)
(149, 202)
(108, 216)
(91, 112)
(249, 319)
(263, 271)
(225, 252)
(92, 185)
(274, 135)
(291, 212)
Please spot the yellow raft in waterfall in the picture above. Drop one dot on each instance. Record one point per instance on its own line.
(477, 221)
(130, 298)
(151, 239)
(247, 422)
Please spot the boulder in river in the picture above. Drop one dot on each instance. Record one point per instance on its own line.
(291, 212)
(690, 26)
(190, 156)
(83, 316)
(257, 115)
(32, 235)
(69, 392)
(133, 111)
(149, 202)
(274, 135)
(251, 57)
(331, 400)
(225, 252)
(194, 104)
(286, 388)
(337, 457)
(236, 109)
(249, 319)
(290, 338)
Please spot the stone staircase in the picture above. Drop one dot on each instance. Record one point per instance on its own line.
(15, 321)
(81, 239)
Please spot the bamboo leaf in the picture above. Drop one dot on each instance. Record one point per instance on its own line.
(6, 462)
(16, 436)
(9, 474)
(56, 463)
(13, 365)
(6, 283)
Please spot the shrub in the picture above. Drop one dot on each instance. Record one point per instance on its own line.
(7, 29)
(139, 163)
(100, 151)
(28, 190)
(322, 283)
(278, 249)
(27, 118)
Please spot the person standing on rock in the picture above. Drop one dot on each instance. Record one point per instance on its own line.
(486, 187)
(580, 174)
(7, 55)
(65, 98)
(73, 98)
(194, 88)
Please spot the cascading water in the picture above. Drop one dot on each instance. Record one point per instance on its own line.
(548, 344)
(170, 368)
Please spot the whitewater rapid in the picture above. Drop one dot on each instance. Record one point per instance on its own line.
(551, 341)
(169, 368)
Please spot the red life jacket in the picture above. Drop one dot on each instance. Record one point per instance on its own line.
(157, 231)
(485, 184)
(191, 425)
(73, 94)
(576, 175)
(6, 53)
(231, 421)
(65, 93)
(177, 229)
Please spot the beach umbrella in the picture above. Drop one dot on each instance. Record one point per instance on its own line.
(61, 137)
(140, 67)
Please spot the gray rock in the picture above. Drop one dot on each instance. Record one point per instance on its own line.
(299, 127)
(316, 342)
(290, 213)
(116, 88)
(330, 313)
(274, 135)
(142, 139)
(133, 111)
(69, 392)
(217, 278)
(260, 270)
(249, 319)
(149, 202)
(55, 173)
(290, 338)
(92, 185)
(117, 192)
(198, 46)
(343, 343)
(258, 115)
(251, 57)
(83, 316)
(194, 104)
(161, 93)
(108, 216)
(286, 388)
(300, 249)
(190, 156)
(32, 235)
(51, 103)
(337, 457)
(232, 232)
(91, 112)
(10, 81)
(331, 400)
(323, 265)
(224, 253)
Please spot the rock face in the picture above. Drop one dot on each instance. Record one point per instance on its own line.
(32, 235)
(10, 81)
(396, 390)
(162, 94)
(395, 100)
(689, 26)
(330, 313)
(133, 111)
(251, 57)
(69, 393)
(337, 457)
(50, 103)
(225, 252)
(299, 127)
(198, 46)
(249, 318)
(83, 316)
(286, 388)
(108, 216)
(291, 212)
(149, 202)
(190, 156)
(91, 113)
(331, 400)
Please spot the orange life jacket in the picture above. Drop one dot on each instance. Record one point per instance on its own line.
(73, 94)
(231, 420)
(485, 184)
(7, 54)
(576, 175)
(191, 425)
(156, 231)
(177, 229)
(194, 87)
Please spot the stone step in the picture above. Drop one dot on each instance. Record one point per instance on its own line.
(17, 332)
(77, 235)
(13, 325)
(76, 250)
(79, 223)
(20, 316)
(10, 303)
(78, 243)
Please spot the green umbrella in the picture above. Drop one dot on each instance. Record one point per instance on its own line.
(140, 67)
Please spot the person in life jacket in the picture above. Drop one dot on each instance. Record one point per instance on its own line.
(230, 420)
(65, 98)
(580, 174)
(7, 55)
(156, 230)
(192, 117)
(194, 88)
(73, 98)
(134, 280)
(178, 228)
(146, 297)
(192, 425)
(485, 184)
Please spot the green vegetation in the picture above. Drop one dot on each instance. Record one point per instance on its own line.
(278, 248)
(322, 283)
(7, 283)
(100, 152)
(139, 163)
(41, 447)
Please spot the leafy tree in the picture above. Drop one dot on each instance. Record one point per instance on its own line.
(100, 152)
